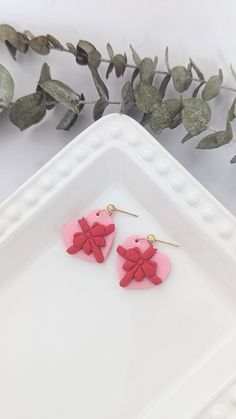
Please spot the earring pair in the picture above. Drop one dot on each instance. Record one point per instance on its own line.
(139, 263)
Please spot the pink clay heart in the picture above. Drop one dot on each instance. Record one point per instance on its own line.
(162, 261)
(92, 217)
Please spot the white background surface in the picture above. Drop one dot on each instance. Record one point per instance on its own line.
(204, 30)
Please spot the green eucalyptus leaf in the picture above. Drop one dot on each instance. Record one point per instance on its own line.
(71, 48)
(212, 86)
(54, 42)
(12, 50)
(163, 115)
(186, 138)
(119, 62)
(28, 110)
(181, 78)
(6, 32)
(233, 72)
(134, 75)
(94, 58)
(62, 93)
(147, 70)
(110, 51)
(215, 140)
(195, 115)
(233, 160)
(196, 90)
(6, 86)
(109, 70)
(99, 84)
(99, 108)
(197, 70)
(136, 57)
(67, 121)
(127, 98)
(40, 45)
(231, 111)
(147, 97)
(176, 121)
(86, 46)
(164, 84)
(44, 76)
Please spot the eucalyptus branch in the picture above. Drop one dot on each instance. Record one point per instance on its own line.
(139, 93)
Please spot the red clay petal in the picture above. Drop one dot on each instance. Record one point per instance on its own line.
(99, 241)
(148, 269)
(131, 254)
(128, 265)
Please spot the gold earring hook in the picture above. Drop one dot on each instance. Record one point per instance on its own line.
(151, 238)
(111, 208)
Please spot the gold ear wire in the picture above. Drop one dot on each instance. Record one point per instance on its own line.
(111, 208)
(151, 238)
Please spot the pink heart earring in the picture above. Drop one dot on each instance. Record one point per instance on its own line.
(140, 264)
(91, 237)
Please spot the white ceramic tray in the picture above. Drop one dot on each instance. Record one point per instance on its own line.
(76, 345)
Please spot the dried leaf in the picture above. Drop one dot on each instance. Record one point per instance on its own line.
(167, 59)
(28, 110)
(196, 90)
(197, 70)
(136, 58)
(40, 45)
(120, 62)
(99, 108)
(127, 98)
(67, 121)
(99, 84)
(212, 86)
(233, 160)
(6, 86)
(147, 97)
(134, 75)
(164, 84)
(62, 93)
(147, 70)
(54, 42)
(163, 115)
(109, 70)
(215, 140)
(195, 115)
(110, 51)
(94, 58)
(181, 78)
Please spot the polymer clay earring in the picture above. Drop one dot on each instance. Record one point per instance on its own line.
(140, 264)
(91, 237)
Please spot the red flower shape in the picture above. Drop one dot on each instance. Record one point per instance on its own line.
(91, 239)
(138, 265)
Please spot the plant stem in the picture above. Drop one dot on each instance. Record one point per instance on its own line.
(92, 102)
